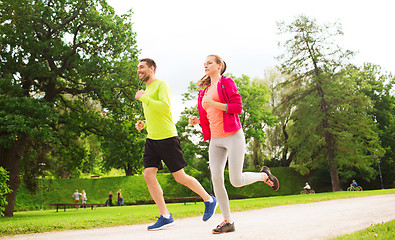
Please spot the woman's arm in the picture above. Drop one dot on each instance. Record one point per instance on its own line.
(219, 105)
(231, 96)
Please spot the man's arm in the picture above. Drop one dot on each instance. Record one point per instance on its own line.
(163, 103)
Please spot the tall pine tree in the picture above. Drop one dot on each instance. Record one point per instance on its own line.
(330, 126)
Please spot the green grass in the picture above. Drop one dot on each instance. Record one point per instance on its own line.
(50, 220)
(382, 231)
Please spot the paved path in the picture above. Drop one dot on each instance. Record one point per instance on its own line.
(319, 220)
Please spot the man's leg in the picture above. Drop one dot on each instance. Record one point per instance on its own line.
(181, 177)
(155, 189)
(210, 202)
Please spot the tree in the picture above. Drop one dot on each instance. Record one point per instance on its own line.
(278, 136)
(124, 149)
(61, 61)
(256, 116)
(330, 126)
(377, 85)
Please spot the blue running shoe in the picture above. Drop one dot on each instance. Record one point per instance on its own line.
(162, 223)
(209, 209)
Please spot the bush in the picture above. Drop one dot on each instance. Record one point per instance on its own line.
(4, 189)
(134, 188)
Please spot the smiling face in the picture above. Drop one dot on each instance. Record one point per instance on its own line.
(144, 71)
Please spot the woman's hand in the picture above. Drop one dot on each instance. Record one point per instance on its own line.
(208, 100)
(194, 120)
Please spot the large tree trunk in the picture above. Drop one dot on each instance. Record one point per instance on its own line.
(329, 145)
(331, 159)
(63, 173)
(256, 155)
(285, 149)
(286, 159)
(128, 170)
(11, 158)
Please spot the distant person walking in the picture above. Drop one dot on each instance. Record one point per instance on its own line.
(76, 197)
(109, 200)
(162, 143)
(83, 198)
(120, 198)
(219, 104)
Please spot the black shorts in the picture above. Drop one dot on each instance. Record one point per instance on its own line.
(168, 150)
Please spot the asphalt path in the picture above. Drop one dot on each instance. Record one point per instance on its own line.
(319, 220)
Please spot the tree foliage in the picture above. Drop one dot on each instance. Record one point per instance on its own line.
(62, 63)
(330, 126)
(278, 149)
(379, 87)
(4, 189)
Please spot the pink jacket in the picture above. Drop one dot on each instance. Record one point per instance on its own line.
(228, 94)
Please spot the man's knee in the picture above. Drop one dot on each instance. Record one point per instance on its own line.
(181, 177)
(150, 174)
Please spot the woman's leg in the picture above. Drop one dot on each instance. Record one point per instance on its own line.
(235, 144)
(217, 161)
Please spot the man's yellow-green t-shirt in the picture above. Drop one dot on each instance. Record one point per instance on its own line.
(157, 111)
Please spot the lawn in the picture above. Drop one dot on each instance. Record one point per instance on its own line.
(382, 231)
(50, 220)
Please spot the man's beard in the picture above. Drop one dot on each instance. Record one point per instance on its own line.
(145, 77)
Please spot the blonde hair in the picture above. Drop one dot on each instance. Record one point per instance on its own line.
(206, 80)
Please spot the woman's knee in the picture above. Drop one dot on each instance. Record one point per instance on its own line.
(217, 179)
(236, 181)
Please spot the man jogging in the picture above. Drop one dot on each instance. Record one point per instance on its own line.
(162, 143)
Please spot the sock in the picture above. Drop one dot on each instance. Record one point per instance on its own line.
(167, 216)
(210, 200)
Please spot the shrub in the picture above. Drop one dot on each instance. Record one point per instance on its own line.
(4, 189)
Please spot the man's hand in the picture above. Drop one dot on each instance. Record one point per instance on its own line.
(139, 125)
(194, 120)
(139, 93)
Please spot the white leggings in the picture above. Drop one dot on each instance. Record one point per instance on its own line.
(232, 147)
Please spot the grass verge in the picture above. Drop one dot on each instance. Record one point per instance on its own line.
(50, 220)
(380, 231)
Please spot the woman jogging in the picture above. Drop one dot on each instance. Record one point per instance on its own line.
(219, 104)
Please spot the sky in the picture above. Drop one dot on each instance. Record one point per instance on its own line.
(179, 34)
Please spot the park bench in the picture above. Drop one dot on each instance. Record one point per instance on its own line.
(75, 204)
(183, 199)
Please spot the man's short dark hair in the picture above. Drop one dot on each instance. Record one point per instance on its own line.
(150, 62)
